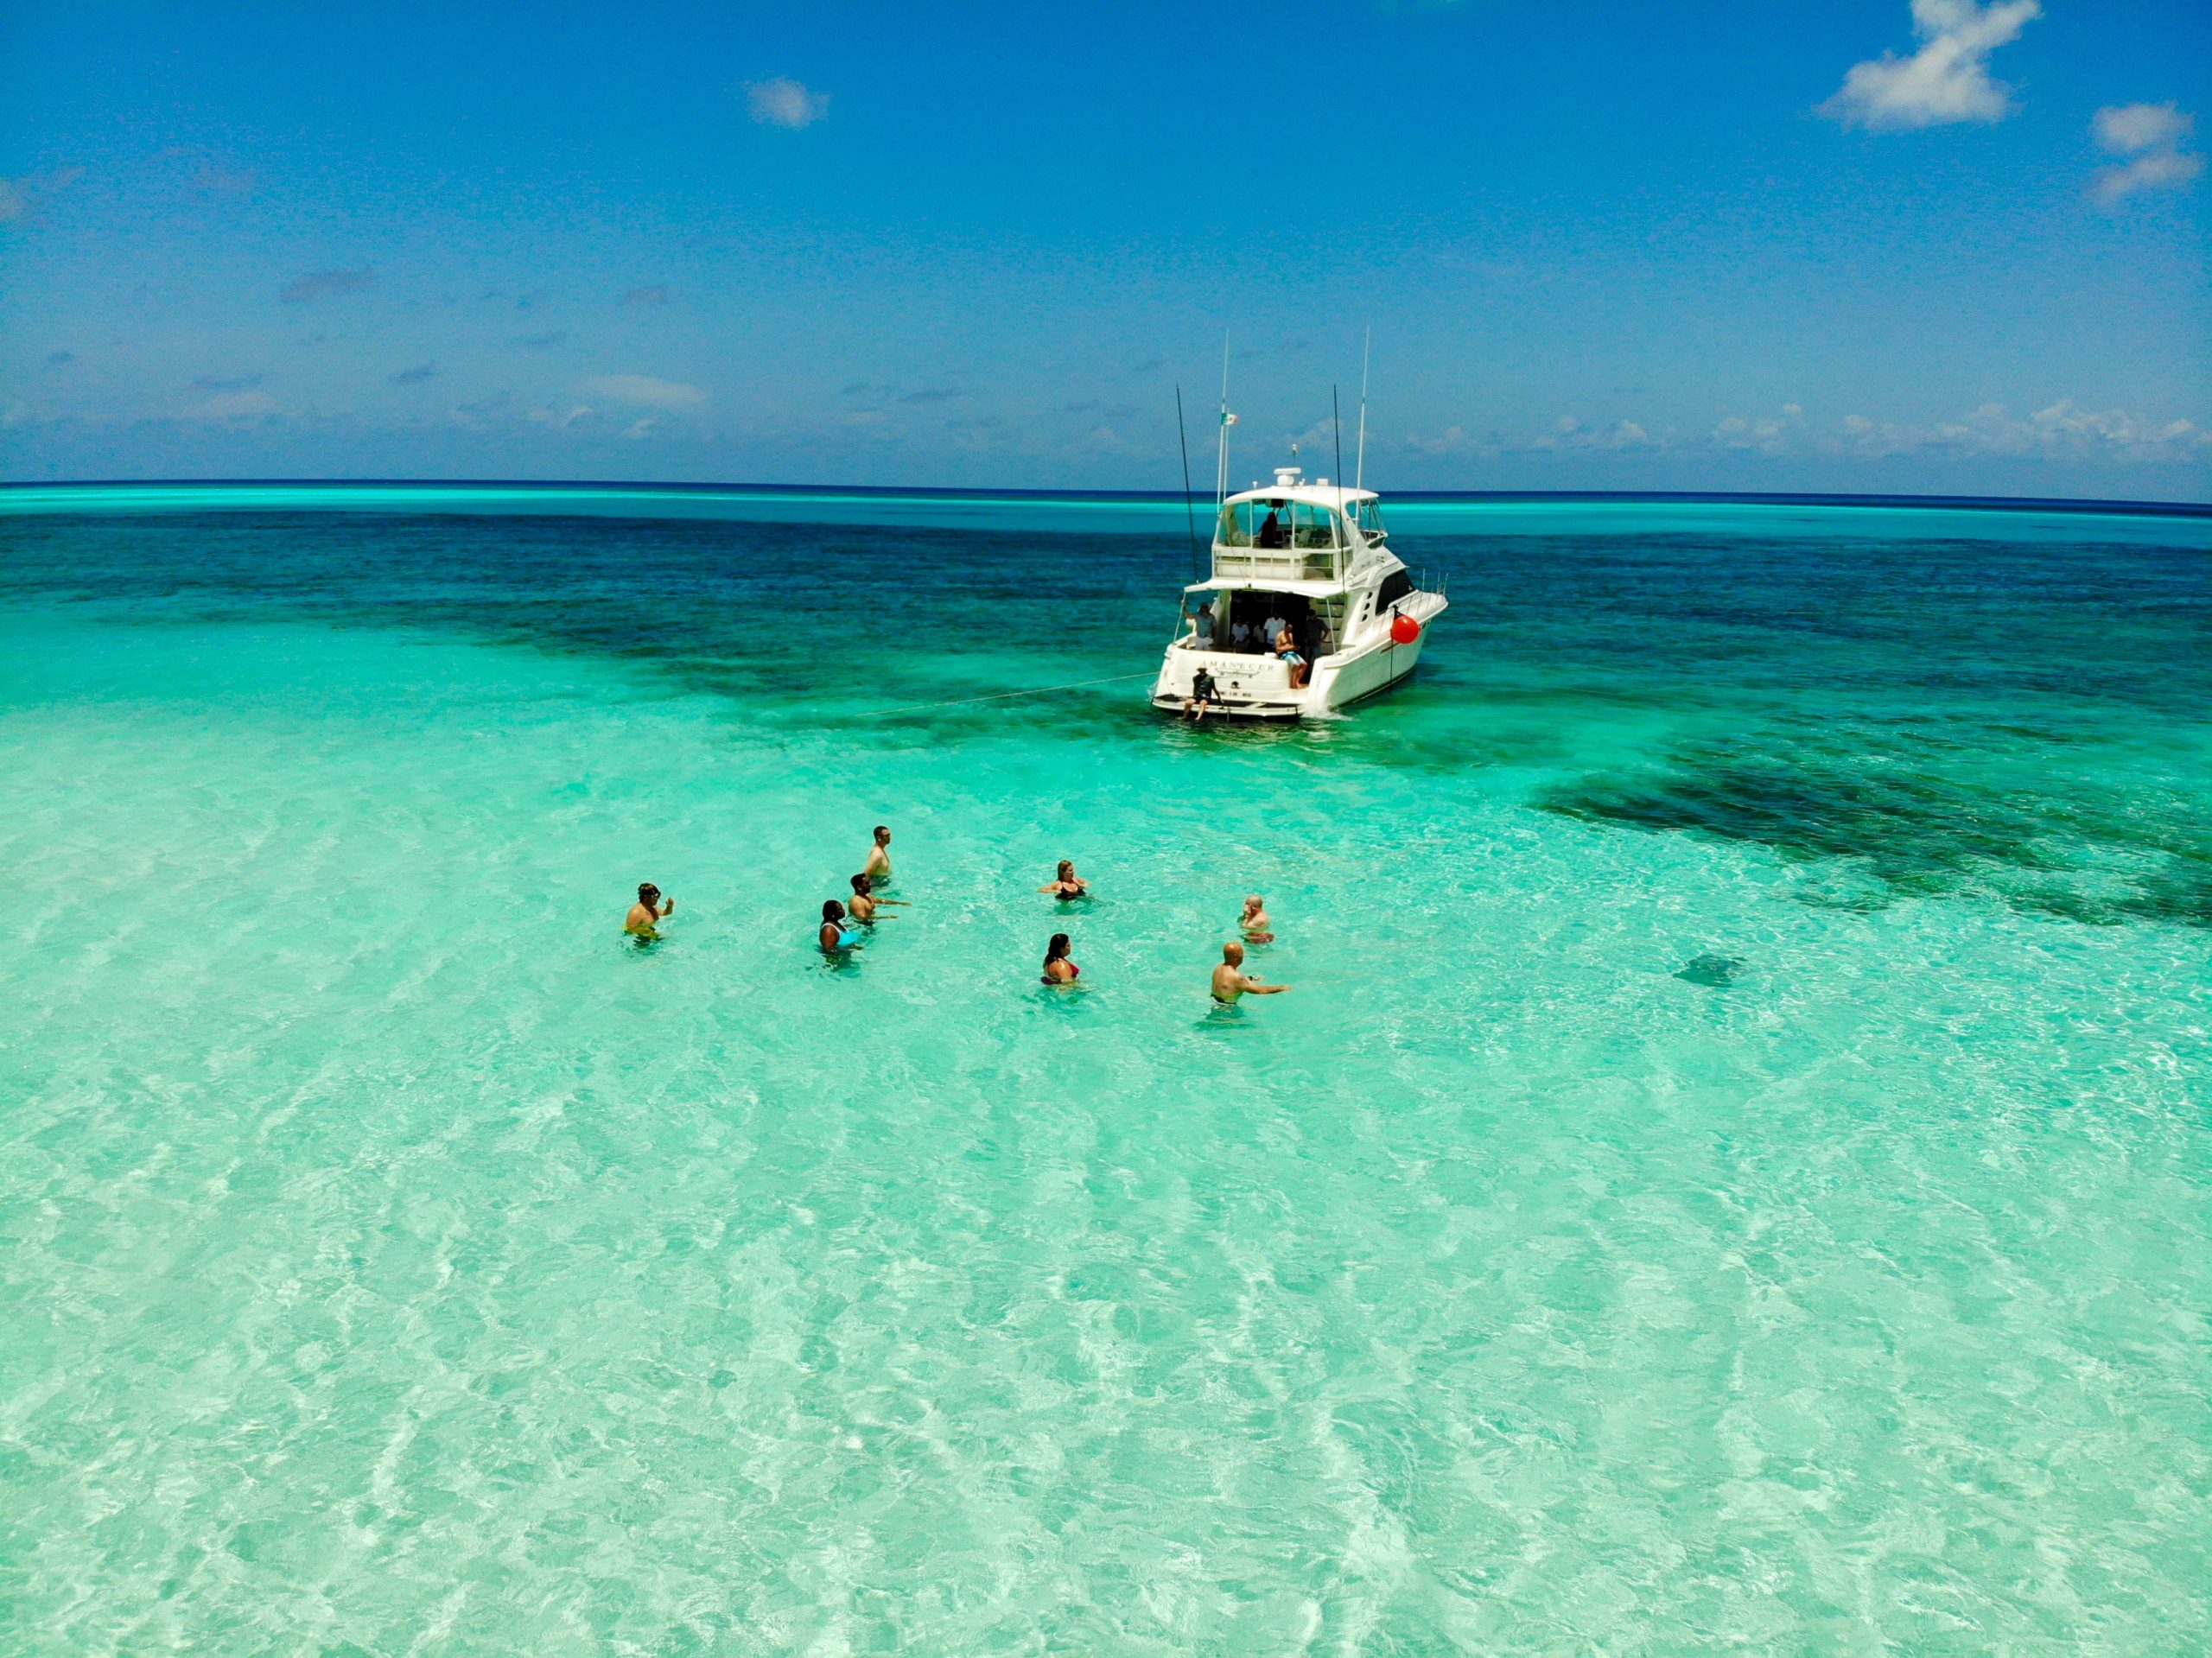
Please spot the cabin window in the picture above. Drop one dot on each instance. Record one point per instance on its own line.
(1280, 523)
(1395, 586)
(1368, 515)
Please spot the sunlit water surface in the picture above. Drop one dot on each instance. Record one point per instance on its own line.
(1732, 1173)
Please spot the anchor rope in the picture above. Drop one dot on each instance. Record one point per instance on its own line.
(997, 697)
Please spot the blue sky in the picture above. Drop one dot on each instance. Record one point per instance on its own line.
(1866, 245)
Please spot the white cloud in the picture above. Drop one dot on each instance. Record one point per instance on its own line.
(1768, 435)
(2151, 134)
(2064, 428)
(1571, 434)
(2162, 169)
(1452, 440)
(2124, 129)
(1946, 80)
(561, 419)
(643, 391)
(785, 103)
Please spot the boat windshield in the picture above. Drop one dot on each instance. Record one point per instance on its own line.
(1368, 515)
(1278, 524)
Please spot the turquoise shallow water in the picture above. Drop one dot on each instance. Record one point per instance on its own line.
(1732, 1172)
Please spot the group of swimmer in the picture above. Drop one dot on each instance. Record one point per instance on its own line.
(844, 922)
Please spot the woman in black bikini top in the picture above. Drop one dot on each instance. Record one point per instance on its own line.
(1066, 884)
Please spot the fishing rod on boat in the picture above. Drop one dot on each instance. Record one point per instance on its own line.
(1366, 355)
(1337, 517)
(1337, 425)
(1190, 509)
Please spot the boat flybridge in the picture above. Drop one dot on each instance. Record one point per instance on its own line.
(1312, 557)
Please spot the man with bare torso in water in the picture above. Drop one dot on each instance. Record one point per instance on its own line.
(1230, 981)
(863, 904)
(649, 910)
(878, 866)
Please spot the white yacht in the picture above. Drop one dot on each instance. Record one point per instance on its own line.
(1313, 556)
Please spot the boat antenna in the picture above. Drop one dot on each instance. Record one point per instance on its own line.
(1190, 509)
(1336, 426)
(1366, 352)
(1228, 420)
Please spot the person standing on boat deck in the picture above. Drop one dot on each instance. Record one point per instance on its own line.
(1271, 630)
(1058, 969)
(1066, 883)
(1201, 626)
(1311, 634)
(878, 867)
(1230, 981)
(648, 909)
(1240, 636)
(1271, 531)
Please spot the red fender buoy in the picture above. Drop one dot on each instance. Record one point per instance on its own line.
(1404, 630)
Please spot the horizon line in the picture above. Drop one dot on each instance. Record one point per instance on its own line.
(932, 492)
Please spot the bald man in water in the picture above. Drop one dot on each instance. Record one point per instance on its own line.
(1230, 981)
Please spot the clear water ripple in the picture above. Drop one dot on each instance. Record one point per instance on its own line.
(394, 1260)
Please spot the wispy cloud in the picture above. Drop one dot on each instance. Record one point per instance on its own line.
(212, 174)
(235, 406)
(561, 419)
(219, 179)
(238, 383)
(329, 284)
(1572, 434)
(655, 294)
(540, 341)
(415, 376)
(2064, 428)
(1946, 80)
(643, 391)
(59, 359)
(785, 103)
(932, 394)
(2151, 135)
(1452, 440)
(22, 197)
(1766, 434)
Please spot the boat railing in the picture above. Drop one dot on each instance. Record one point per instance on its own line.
(1281, 563)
